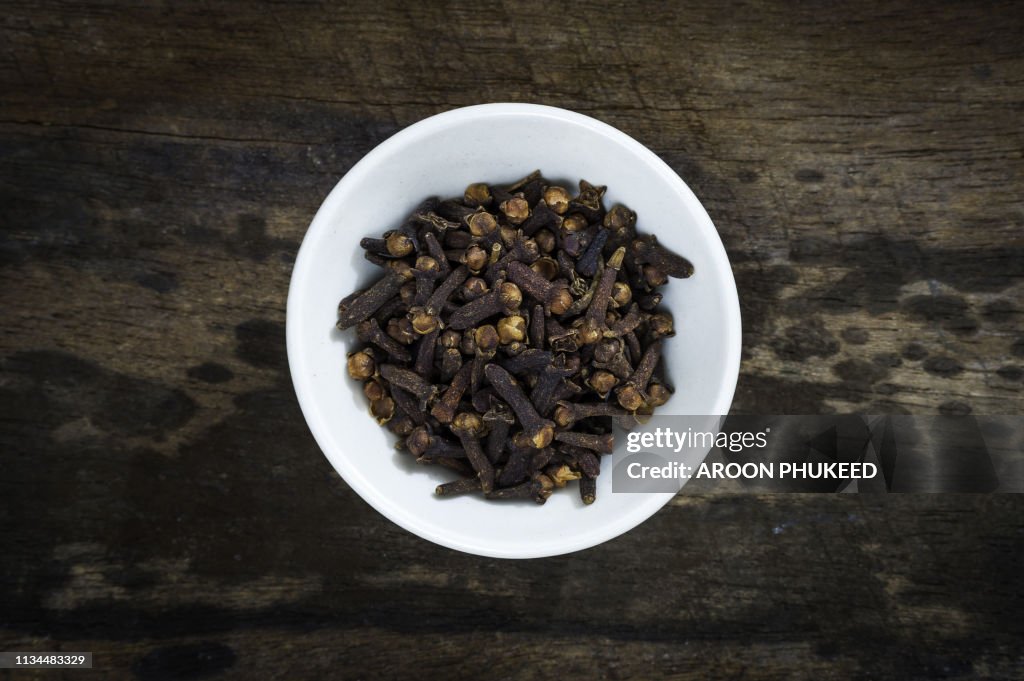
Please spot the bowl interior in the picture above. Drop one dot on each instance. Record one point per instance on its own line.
(440, 156)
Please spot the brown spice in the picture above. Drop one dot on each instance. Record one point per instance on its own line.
(510, 325)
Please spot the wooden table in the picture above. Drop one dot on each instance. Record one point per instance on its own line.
(164, 504)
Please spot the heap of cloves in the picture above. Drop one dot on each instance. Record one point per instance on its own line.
(512, 325)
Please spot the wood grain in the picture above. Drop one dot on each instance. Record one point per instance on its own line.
(164, 503)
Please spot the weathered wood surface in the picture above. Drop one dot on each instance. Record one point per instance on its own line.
(163, 502)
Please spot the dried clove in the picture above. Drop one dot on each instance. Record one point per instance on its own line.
(374, 389)
(545, 240)
(477, 194)
(588, 202)
(539, 430)
(558, 199)
(510, 324)
(424, 365)
(382, 409)
(369, 331)
(366, 303)
(588, 260)
(421, 443)
(517, 468)
(658, 394)
(568, 413)
(407, 405)
(647, 251)
(426, 318)
(543, 218)
(436, 251)
(444, 408)
(593, 326)
(460, 486)
(649, 301)
(660, 325)
(562, 475)
(398, 244)
(631, 394)
(633, 345)
(450, 363)
(516, 210)
(529, 360)
(473, 288)
(361, 365)
(596, 443)
(401, 425)
(621, 225)
(401, 329)
(536, 328)
(602, 382)
(546, 267)
(511, 329)
(556, 299)
(409, 381)
(499, 420)
(628, 322)
(544, 394)
(486, 340)
(541, 458)
(622, 295)
(588, 490)
(468, 427)
(503, 299)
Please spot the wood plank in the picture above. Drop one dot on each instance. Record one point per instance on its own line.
(165, 504)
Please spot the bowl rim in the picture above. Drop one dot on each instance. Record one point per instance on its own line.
(296, 359)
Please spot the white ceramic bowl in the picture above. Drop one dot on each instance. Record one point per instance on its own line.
(440, 156)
